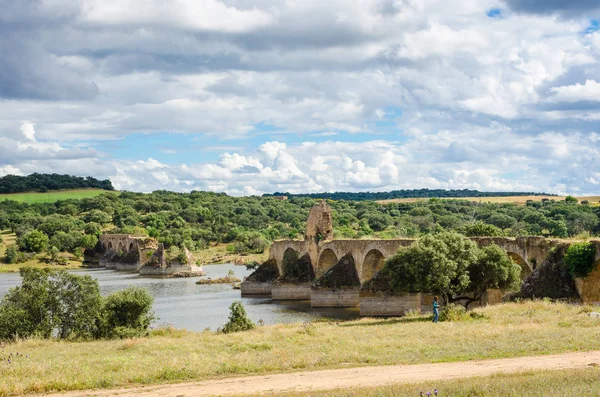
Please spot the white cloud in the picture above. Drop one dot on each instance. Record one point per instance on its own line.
(589, 91)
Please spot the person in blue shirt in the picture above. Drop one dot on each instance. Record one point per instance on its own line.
(436, 309)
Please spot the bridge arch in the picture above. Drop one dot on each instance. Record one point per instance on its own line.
(518, 259)
(120, 247)
(290, 259)
(110, 246)
(130, 246)
(327, 259)
(372, 263)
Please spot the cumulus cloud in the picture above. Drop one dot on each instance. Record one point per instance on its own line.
(394, 93)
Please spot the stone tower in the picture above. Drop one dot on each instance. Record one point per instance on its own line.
(320, 224)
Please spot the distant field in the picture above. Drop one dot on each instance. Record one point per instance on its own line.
(51, 197)
(503, 200)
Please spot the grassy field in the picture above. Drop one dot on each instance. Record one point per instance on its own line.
(510, 330)
(502, 200)
(530, 384)
(53, 196)
(218, 254)
(10, 238)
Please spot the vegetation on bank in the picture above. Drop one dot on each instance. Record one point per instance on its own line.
(168, 355)
(230, 278)
(404, 193)
(57, 304)
(45, 182)
(580, 382)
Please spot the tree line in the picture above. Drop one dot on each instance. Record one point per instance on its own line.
(45, 182)
(249, 224)
(404, 193)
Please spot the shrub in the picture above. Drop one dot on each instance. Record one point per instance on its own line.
(34, 241)
(12, 255)
(454, 312)
(127, 313)
(580, 259)
(238, 319)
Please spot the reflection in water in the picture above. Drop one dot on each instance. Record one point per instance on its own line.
(183, 304)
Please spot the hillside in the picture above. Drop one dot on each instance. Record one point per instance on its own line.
(45, 182)
(51, 197)
(405, 194)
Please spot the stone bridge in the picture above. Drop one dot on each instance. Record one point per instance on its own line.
(136, 249)
(369, 255)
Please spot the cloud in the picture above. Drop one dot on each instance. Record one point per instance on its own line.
(304, 95)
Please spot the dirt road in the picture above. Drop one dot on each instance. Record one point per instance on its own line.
(352, 377)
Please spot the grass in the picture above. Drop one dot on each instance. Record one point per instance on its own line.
(52, 196)
(219, 254)
(558, 383)
(511, 330)
(10, 238)
(501, 200)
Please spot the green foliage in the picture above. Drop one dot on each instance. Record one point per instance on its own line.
(51, 303)
(238, 319)
(63, 305)
(34, 241)
(452, 266)
(478, 229)
(580, 258)
(44, 182)
(454, 313)
(12, 255)
(570, 200)
(126, 313)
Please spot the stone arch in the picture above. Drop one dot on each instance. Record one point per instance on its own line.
(372, 263)
(130, 246)
(110, 246)
(327, 259)
(518, 259)
(290, 258)
(120, 247)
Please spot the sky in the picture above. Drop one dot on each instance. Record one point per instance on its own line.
(258, 96)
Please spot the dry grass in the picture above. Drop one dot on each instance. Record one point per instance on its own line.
(218, 254)
(516, 329)
(10, 238)
(531, 384)
(521, 200)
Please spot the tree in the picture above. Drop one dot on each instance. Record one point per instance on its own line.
(478, 229)
(580, 259)
(571, 200)
(452, 266)
(127, 313)
(34, 241)
(238, 319)
(435, 264)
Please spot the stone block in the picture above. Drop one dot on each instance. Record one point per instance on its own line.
(335, 297)
(250, 288)
(388, 305)
(290, 291)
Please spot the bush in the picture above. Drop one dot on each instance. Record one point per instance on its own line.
(238, 319)
(34, 241)
(127, 313)
(580, 259)
(454, 312)
(12, 255)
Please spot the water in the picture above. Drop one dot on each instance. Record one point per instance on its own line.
(183, 304)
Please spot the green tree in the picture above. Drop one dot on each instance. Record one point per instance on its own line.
(571, 200)
(127, 313)
(452, 266)
(580, 259)
(238, 319)
(34, 241)
(480, 229)
(436, 264)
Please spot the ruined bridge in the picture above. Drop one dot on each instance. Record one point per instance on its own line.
(369, 255)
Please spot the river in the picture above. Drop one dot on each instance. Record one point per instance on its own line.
(182, 303)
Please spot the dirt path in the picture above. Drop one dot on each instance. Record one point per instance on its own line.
(352, 377)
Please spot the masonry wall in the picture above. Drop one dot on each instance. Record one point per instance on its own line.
(289, 291)
(382, 304)
(256, 288)
(338, 297)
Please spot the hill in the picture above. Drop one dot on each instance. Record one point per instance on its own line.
(405, 194)
(521, 200)
(45, 182)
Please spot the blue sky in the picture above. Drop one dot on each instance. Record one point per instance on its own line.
(263, 95)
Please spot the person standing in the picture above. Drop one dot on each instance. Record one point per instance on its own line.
(436, 309)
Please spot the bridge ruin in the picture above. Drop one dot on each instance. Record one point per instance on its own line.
(366, 257)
